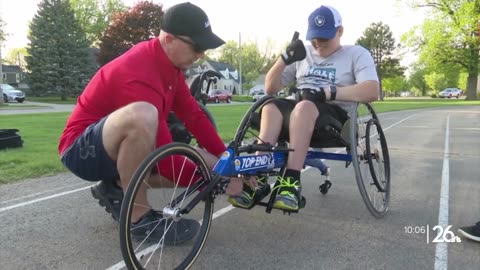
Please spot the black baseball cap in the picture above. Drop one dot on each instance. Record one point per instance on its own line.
(186, 19)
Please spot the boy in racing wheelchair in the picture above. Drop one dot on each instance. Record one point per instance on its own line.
(328, 77)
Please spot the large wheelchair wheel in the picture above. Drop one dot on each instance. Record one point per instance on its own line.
(370, 158)
(248, 129)
(169, 202)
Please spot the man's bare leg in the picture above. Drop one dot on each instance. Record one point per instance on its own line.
(129, 135)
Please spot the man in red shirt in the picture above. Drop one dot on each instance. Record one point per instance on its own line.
(121, 116)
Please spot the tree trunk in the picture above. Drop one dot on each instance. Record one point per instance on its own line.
(472, 86)
(380, 85)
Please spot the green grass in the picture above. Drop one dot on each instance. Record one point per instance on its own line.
(40, 132)
(38, 156)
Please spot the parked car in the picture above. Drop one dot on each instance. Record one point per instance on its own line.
(12, 94)
(258, 95)
(261, 94)
(450, 92)
(219, 95)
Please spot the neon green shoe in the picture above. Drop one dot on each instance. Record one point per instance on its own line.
(288, 196)
(249, 196)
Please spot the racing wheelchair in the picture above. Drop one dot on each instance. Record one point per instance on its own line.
(361, 138)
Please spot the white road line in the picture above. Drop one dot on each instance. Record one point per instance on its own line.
(399, 122)
(441, 249)
(3, 209)
(38, 193)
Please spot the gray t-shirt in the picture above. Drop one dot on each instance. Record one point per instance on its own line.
(347, 66)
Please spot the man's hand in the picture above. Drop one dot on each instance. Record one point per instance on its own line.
(236, 185)
(295, 51)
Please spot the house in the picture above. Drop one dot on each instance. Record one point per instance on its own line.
(230, 78)
(12, 74)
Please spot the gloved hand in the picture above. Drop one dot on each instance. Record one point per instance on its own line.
(295, 51)
(313, 95)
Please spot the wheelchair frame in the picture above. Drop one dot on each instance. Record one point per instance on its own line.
(212, 183)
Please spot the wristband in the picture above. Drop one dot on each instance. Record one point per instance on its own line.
(333, 92)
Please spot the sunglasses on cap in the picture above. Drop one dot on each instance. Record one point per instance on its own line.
(195, 46)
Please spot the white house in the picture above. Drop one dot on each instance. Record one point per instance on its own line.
(230, 78)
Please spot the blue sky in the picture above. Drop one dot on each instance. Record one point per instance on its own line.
(257, 20)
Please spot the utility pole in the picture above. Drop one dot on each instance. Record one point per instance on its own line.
(240, 91)
(1, 74)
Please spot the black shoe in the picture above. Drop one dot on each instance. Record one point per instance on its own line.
(249, 196)
(152, 226)
(472, 232)
(109, 196)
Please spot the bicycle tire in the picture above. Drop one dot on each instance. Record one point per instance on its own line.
(360, 158)
(127, 247)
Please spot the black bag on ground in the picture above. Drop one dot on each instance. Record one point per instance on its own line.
(10, 139)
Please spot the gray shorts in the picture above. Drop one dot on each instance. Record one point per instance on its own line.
(87, 158)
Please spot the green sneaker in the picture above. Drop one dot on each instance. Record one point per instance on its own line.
(249, 196)
(288, 196)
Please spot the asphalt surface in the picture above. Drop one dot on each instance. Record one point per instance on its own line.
(53, 223)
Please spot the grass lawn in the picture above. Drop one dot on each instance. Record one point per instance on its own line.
(40, 132)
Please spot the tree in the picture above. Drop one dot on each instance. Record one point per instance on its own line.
(3, 35)
(254, 62)
(94, 16)
(378, 39)
(391, 68)
(435, 82)
(16, 56)
(417, 80)
(60, 60)
(450, 37)
(142, 22)
(393, 85)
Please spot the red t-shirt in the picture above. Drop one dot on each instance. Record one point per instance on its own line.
(144, 73)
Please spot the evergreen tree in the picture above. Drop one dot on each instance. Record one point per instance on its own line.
(60, 61)
(141, 22)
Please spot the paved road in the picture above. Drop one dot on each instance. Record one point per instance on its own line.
(53, 223)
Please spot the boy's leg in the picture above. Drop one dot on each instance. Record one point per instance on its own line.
(270, 126)
(301, 126)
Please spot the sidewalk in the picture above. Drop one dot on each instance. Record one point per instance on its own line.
(23, 108)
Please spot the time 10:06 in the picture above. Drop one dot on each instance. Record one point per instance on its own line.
(415, 229)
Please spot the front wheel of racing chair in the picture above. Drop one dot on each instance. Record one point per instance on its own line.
(158, 246)
(370, 158)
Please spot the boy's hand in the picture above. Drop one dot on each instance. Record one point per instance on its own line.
(295, 51)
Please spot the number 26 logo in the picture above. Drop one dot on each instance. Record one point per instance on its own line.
(445, 235)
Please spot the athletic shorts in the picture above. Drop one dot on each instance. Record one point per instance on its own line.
(328, 114)
(87, 158)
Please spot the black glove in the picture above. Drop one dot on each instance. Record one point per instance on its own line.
(295, 51)
(315, 96)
